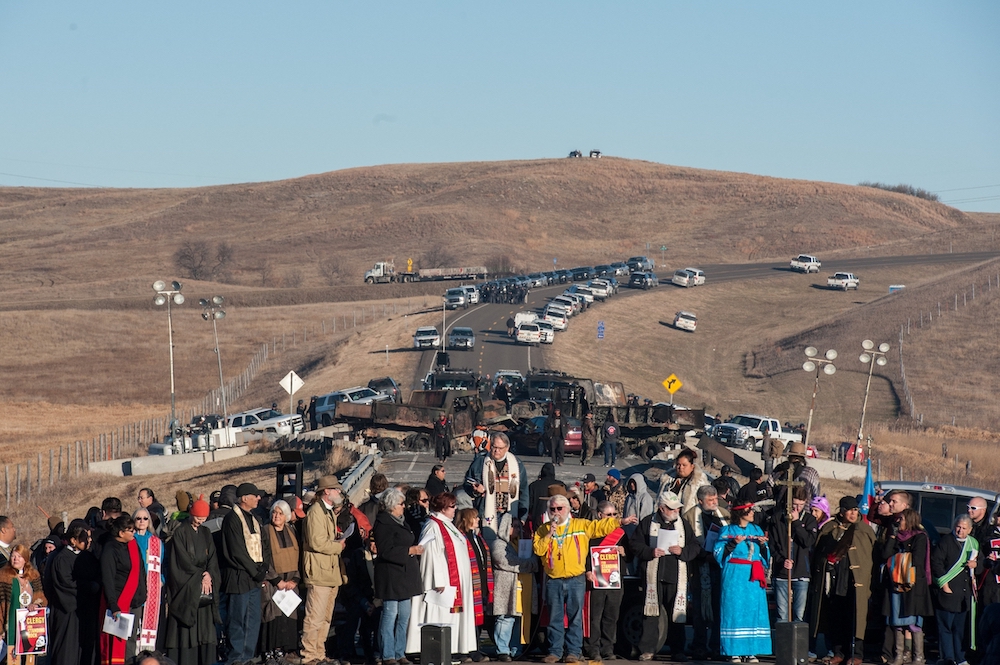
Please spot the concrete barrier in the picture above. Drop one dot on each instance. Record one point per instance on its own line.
(152, 464)
(825, 467)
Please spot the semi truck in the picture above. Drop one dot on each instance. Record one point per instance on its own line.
(384, 272)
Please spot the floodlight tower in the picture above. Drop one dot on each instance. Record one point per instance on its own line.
(871, 358)
(165, 295)
(814, 364)
(212, 311)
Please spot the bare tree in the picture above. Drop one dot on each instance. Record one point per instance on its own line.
(196, 259)
(192, 259)
(266, 270)
(500, 264)
(438, 256)
(331, 269)
(293, 278)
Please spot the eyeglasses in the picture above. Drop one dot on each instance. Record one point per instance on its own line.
(557, 508)
(451, 507)
(141, 519)
(611, 514)
(975, 507)
(424, 501)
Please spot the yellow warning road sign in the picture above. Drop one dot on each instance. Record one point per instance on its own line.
(672, 384)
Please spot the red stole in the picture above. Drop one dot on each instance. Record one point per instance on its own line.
(113, 648)
(477, 585)
(151, 610)
(449, 550)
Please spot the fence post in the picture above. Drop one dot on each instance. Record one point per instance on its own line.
(6, 476)
(27, 478)
(18, 493)
(38, 485)
(52, 468)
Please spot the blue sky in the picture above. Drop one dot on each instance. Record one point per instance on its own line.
(138, 94)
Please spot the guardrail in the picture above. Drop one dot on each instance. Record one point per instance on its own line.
(356, 480)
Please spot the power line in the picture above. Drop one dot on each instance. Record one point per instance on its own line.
(99, 168)
(962, 189)
(63, 182)
(983, 198)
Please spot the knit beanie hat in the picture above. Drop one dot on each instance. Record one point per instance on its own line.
(200, 507)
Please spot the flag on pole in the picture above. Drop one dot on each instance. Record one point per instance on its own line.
(868, 494)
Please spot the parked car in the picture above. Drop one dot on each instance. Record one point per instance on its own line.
(621, 268)
(684, 278)
(267, 421)
(643, 280)
(556, 317)
(548, 331)
(699, 275)
(582, 291)
(387, 386)
(600, 288)
(565, 276)
(538, 279)
(601, 271)
(529, 437)
(685, 321)
(581, 273)
(529, 333)
(455, 298)
(426, 337)
(326, 405)
(568, 303)
(471, 294)
(747, 431)
(462, 338)
(641, 264)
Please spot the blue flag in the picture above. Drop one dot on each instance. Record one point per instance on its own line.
(868, 494)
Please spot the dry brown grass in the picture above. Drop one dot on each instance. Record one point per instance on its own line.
(76, 495)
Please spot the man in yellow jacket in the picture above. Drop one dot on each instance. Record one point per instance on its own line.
(323, 575)
(563, 544)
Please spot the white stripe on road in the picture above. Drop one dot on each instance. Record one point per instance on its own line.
(412, 463)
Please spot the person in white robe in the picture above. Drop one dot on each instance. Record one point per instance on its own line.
(443, 563)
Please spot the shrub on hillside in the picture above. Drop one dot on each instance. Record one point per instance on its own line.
(902, 189)
(197, 260)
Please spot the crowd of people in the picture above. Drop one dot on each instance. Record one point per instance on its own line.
(503, 560)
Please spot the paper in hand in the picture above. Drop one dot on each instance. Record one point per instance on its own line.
(348, 532)
(445, 598)
(286, 600)
(667, 539)
(122, 628)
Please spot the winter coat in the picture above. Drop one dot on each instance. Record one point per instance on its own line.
(943, 558)
(397, 574)
(321, 564)
(859, 557)
(666, 567)
(916, 601)
(506, 566)
(804, 533)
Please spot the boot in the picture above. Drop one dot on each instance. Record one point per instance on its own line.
(907, 648)
(898, 660)
(918, 649)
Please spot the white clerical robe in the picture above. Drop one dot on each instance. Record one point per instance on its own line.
(434, 575)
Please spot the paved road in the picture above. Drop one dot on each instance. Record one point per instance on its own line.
(494, 350)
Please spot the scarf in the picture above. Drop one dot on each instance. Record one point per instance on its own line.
(284, 557)
(18, 595)
(152, 548)
(491, 480)
(449, 551)
(254, 549)
(651, 604)
(968, 547)
(904, 536)
(113, 648)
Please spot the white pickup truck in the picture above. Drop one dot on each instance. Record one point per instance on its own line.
(747, 431)
(806, 263)
(843, 281)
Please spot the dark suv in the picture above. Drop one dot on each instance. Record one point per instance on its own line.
(387, 386)
(582, 273)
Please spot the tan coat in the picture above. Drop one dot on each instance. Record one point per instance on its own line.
(859, 557)
(321, 563)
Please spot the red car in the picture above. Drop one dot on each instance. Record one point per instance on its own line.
(529, 437)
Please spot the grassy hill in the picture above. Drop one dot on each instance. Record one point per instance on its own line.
(313, 232)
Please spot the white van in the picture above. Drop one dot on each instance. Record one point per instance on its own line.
(471, 294)
(524, 317)
(683, 278)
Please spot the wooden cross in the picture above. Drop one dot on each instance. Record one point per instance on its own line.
(789, 484)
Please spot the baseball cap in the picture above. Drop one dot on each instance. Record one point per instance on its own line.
(246, 489)
(670, 500)
(589, 478)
